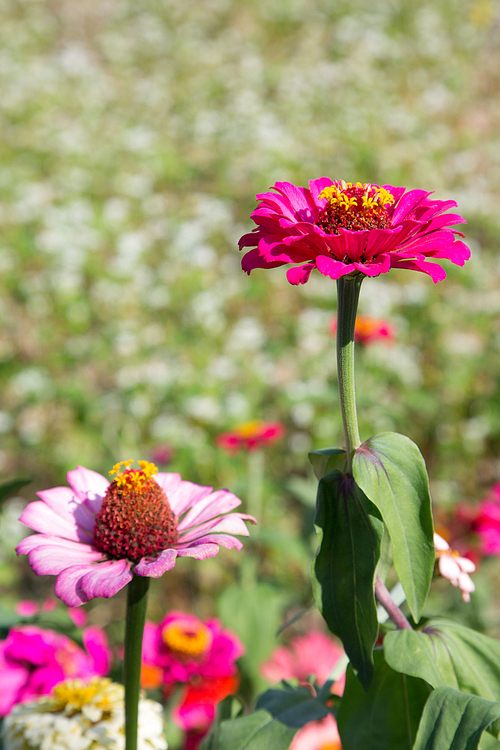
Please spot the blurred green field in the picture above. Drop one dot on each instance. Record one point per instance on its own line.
(135, 136)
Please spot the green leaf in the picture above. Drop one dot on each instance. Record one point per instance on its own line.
(387, 716)
(349, 531)
(292, 706)
(327, 460)
(447, 654)
(11, 487)
(391, 471)
(455, 720)
(257, 731)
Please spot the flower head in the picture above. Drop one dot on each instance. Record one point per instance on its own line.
(340, 229)
(184, 648)
(95, 535)
(250, 436)
(487, 522)
(455, 568)
(33, 660)
(81, 715)
(368, 330)
(311, 655)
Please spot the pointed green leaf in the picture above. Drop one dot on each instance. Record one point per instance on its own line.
(326, 460)
(391, 471)
(455, 720)
(11, 487)
(349, 531)
(293, 706)
(447, 654)
(387, 716)
(257, 731)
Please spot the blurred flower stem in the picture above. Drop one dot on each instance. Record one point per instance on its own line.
(255, 484)
(137, 599)
(348, 288)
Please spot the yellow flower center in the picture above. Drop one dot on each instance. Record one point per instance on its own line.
(71, 696)
(132, 479)
(187, 639)
(356, 207)
(248, 429)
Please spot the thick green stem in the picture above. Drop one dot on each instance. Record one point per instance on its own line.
(348, 295)
(137, 599)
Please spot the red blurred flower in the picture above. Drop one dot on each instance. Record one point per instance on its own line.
(340, 229)
(368, 330)
(487, 522)
(250, 436)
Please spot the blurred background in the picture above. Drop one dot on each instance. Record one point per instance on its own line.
(135, 136)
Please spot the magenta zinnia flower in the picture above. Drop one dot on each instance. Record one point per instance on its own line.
(340, 229)
(95, 535)
(250, 436)
(33, 660)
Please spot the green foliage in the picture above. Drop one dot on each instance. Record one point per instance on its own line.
(327, 460)
(387, 715)
(257, 731)
(11, 487)
(452, 719)
(391, 471)
(447, 654)
(349, 530)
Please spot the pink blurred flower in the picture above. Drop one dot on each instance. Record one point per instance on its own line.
(318, 735)
(455, 568)
(95, 535)
(162, 455)
(311, 655)
(33, 660)
(487, 522)
(368, 330)
(250, 436)
(26, 608)
(340, 228)
(183, 648)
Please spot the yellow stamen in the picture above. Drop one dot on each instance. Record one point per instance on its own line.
(133, 479)
(187, 639)
(71, 696)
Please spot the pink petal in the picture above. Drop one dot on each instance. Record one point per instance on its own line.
(224, 540)
(168, 481)
(232, 524)
(156, 567)
(68, 588)
(436, 272)
(88, 485)
(375, 267)
(333, 268)
(62, 501)
(199, 551)
(52, 555)
(300, 274)
(186, 495)
(106, 578)
(440, 543)
(39, 517)
(208, 507)
(96, 644)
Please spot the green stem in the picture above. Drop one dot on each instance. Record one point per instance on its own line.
(348, 288)
(255, 488)
(137, 599)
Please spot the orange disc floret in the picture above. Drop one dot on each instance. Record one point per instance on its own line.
(135, 519)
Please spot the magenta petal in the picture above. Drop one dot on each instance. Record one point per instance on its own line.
(199, 551)
(333, 268)
(39, 517)
(223, 540)
(88, 485)
(168, 481)
(437, 273)
(96, 644)
(300, 274)
(233, 523)
(106, 578)
(156, 567)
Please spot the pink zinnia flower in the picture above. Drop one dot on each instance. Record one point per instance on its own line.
(318, 735)
(340, 228)
(455, 568)
(95, 535)
(33, 660)
(312, 655)
(250, 436)
(183, 647)
(368, 330)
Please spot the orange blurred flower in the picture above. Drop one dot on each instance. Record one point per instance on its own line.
(250, 436)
